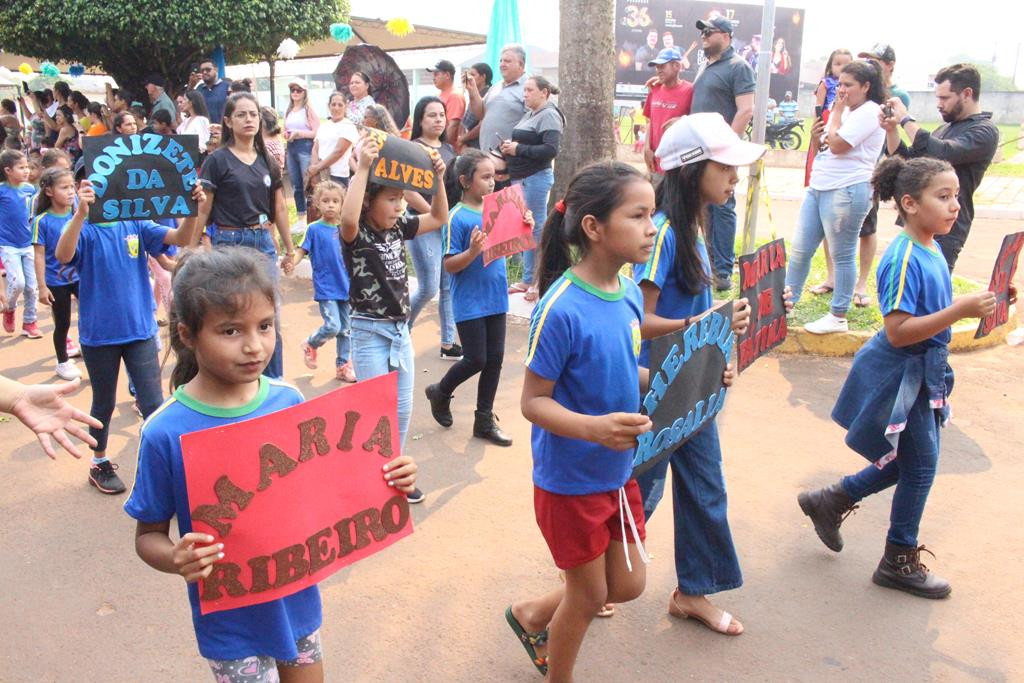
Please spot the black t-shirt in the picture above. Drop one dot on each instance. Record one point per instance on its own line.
(375, 260)
(447, 153)
(241, 191)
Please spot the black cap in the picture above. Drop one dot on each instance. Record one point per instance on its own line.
(881, 51)
(443, 65)
(155, 79)
(716, 23)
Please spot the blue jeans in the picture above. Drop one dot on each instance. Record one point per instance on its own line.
(104, 363)
(427, 253)
(260, 240)
(912, 471)
(378, 347)
(706, 559)
(536, 191)
(837, 214)
(723, 237)
(336, 325)
(299, 152)
(19, 262)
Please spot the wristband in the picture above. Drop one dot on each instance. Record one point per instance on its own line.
(907, 119)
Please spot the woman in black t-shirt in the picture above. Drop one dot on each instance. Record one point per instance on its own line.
(244, 196)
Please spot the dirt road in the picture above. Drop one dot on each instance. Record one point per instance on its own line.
(78, 605)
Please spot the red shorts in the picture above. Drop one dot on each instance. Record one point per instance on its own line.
(578, 528)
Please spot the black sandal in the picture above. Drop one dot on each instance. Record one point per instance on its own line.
(529, 641)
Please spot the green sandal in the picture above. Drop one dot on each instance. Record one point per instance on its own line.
(529, 641)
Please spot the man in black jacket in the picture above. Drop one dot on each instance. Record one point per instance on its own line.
(968, 140)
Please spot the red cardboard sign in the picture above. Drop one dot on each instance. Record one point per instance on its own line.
(506, 231)
(762, 283)
(1002, 277)
(296, 495)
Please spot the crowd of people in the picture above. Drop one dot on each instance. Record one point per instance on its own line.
(624, 257)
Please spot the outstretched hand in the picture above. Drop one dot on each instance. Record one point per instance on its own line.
(42, 408)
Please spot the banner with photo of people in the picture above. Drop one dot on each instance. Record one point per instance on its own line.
(644, 27)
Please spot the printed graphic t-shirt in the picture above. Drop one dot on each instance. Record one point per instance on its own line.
(378, 281)
(159, 493)
(587, 342)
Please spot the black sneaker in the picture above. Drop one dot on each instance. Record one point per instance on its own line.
(453, 352)
(415, 497)
(103, 477)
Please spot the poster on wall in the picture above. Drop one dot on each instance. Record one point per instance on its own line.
(644, 27)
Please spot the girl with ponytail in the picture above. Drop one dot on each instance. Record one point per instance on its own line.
(222, 331)
(582, 393)
(895, 397)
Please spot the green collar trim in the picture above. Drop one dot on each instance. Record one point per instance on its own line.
(218, 411)
(587, 287)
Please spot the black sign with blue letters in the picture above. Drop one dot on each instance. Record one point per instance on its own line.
(145, 176)
(685, 391)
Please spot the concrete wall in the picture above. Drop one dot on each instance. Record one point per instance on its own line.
(1006, 107)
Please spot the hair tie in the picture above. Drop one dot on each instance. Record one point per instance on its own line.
(560, 206)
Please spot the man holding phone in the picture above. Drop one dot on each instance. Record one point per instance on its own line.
(501, 109)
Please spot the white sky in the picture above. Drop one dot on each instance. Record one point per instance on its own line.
(924, 34)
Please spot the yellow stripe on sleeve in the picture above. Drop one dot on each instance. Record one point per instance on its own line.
(448, 244)
(903, 276)
(551, 298)
(35, 228)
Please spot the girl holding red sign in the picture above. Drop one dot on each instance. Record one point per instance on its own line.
(895, 398)
(222, 332)
(479, 298)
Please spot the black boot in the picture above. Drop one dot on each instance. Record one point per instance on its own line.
(440, 405)
(901, 568)
(827, 508)
(485, 426)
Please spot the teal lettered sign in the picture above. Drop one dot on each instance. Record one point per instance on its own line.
(145, 176)
(686, 390)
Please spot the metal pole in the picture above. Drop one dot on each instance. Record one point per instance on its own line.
(764, 60)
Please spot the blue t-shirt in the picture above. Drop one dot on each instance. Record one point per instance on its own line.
(115, 299)
(675, 302)
(46, 230)
(15, 205)
(159, 493)
(587, 342)
(477, 290)
(330, 279)
(915, 279)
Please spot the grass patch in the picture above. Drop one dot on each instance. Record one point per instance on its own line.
(867, 319)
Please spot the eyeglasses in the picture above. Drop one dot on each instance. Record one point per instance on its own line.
(208, 68)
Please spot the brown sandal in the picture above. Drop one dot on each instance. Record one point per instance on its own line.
(724, 623)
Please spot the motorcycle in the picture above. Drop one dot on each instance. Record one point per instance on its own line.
(784, 135)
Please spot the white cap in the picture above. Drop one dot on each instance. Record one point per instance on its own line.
(299, 81)
(698, 137)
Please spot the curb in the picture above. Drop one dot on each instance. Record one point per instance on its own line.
(799, 340)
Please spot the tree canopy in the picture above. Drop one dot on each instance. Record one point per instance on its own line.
(131, 40)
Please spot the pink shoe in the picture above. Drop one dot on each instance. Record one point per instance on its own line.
(31, 330)
(345, 373)
(9, 321)
(309, 355)
(73, 350)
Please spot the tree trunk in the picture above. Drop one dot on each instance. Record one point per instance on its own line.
(586, 69)
(271, 63)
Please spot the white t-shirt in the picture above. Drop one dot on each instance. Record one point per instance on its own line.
(196, 125)
(328, 135)
(861, 130)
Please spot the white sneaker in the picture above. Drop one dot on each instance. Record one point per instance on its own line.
(827, 324)
(68, 370)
